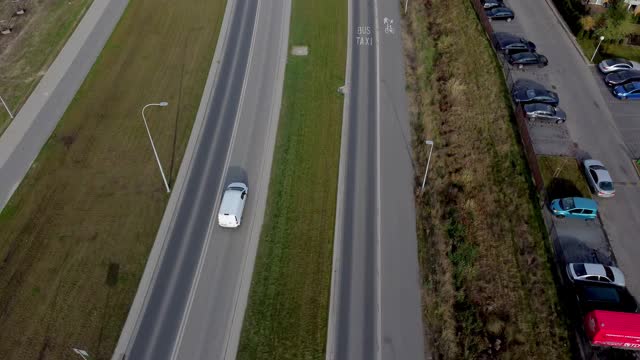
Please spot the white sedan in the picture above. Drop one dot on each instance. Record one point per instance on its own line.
(598, 178)
(595, 273)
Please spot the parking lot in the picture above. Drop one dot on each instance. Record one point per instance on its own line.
(598, 126)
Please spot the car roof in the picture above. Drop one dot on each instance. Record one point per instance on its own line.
(616, 61)
(627, 74)
(501, 9)
(585, 203)
(634, 84)
(538, 106)
(231, 201)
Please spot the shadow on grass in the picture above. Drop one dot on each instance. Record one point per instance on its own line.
(561, 188)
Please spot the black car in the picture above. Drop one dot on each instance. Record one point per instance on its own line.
(527, 95)
(622, 77)
(593, 296)
(527, 58)
(490, 4)
(546, 112)
(500, 13)
(511, 44)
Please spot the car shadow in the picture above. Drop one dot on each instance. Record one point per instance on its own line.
(237, 174)
(561, 188)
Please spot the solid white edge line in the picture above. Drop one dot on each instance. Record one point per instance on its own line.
(212, 222)
(132, 323)
(233, 339)
(337, 235)
(379, 180)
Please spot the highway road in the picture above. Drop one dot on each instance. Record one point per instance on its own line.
(591, 124)
(195, 306)
(375, 304)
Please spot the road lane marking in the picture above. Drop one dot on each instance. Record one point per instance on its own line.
(378, 182)
(212, 225)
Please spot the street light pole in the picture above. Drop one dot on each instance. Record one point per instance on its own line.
(83, 353)
(597, 47)
(163, 104)
(424, 180)
(6, 107)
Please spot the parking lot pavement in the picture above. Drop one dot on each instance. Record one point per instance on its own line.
(550, 139)
(626, 114)
(600, 125)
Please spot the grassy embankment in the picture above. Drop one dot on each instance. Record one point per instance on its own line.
(287, 313)
(75, 236)
(26, 53)
(488, 290)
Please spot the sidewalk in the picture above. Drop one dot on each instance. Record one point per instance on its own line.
(21, 142)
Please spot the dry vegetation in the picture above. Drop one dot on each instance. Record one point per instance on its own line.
(488, 290)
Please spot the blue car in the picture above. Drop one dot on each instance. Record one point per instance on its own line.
(627, 91)
(574, 207)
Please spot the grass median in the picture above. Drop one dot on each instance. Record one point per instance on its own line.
(75, 236)
(488, 291)
(27, 52)
(286, 317)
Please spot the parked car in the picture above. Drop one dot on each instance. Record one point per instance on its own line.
(622, 77)
(599, 296)
(232, 205)
(627, 91)
(546, 112)
(525, 95)
(500, 13)
(597, 273)
(574, 207)
(490, 4)
(598, 178)
(511, 44)
(527, 58)
(617, 64)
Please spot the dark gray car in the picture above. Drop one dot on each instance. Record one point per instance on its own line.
(622, 77)
(511, 44)
(500, 13)
(526, 95)
(539, 111)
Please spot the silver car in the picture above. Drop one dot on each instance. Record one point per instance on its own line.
(539, 111)
(598, 178)
(618, 64)
(595, 273)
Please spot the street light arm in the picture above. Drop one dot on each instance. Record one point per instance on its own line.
(155, 153)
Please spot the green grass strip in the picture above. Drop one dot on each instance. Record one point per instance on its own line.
(286, 317)
(75, 236)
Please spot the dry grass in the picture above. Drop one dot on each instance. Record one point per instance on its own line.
(76, 234)
(37, 38)
(488, 290)
(562, 177)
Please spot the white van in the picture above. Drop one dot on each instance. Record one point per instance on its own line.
(230, 214)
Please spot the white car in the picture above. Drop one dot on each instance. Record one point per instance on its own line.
(598, 178)
(595, 273)
(232, 205)
(618, 64)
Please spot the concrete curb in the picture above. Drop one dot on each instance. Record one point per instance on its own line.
(242, 295)
(23, 139)
(337, 235)
(158, 249)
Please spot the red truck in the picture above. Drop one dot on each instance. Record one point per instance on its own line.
(613, 329)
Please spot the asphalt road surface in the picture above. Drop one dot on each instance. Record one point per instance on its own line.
(591, 125)
(375, 310)
(196, 305)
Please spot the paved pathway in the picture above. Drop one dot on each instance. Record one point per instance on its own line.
(21, 142)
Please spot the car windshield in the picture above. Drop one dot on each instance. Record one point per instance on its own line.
(531, 93)
(606, 186)
(567, 203)
(608, 272)
(236, 188)
(629, 87)
(601, 294)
